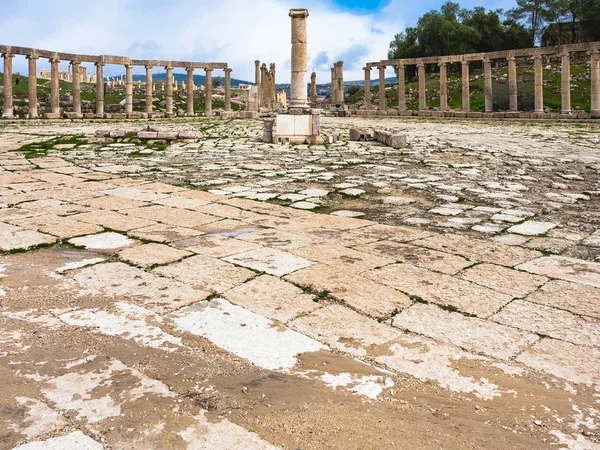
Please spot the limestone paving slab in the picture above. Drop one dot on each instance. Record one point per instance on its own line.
(103, 241)
(76, 439)
(206, 273)
(269, 260)
(172, 216)
(135, 193)
(13, 237)
(271, 237)
(502, 279)
(163, 233)
(343, 257)
(359, 292)
(552, 322)
(345, 330)
(152, 254)
(579, 299)
(112, 203)
(571, 362)
(532, 228)
(215, 245)
(245, 333)
(62, 227)
(471, 333)
(273, 298)
(564, 268)
(113, 220)
(441, 289)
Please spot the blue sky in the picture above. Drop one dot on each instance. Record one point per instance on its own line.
(232, 31)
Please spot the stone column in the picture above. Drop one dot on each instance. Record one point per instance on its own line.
(313, 88)
(189, 101)
(7, 111)
(401, 89)
(466, 97)
(443, 86)
(339, 71)
(149, 89)
(512, 84)
(228, 89)
(76, 88)
(487, 86)
(299, 100)
(129, 89)
(538, 84)
(367, 88)
(273, 88)
(257, 79)
(99, 89)
(595, 69)
(54, 86)
(422, 93)
(208, 93)
(565, 63)
(382, 102)
(169, 92)
(264, 85)
(32, 86)
(333, 87)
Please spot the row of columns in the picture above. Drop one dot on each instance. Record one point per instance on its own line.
(76, 88)
(488, 92)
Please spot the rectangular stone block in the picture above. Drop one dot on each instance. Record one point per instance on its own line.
(167, 135)
(147, 134)
(52, 116)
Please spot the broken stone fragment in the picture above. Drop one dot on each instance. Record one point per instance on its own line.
(361, 134)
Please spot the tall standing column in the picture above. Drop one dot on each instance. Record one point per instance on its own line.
(54, 86)
(299, 100)
(257, 79)
(443, 86)
(538, 84)
(401, 88)
(99, 89)
(7, 111)
(466, 94)
(189, 102)
(208, 93)
(333, 87)
(76, 88)
(382, 102)
(487, 86)
(169, 92)
(149, 87)
(129, 89)
(367, 88)
(313, 88)
(512, 84)
(422, 93)
(228, 89)
(565, 95)
(32, 85)
(595, 69)
(340, 81)
(273, 88)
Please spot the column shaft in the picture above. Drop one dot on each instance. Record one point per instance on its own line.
(512, 84)
(340, 81)
(7, 110)
(54, 86)
(333, 87)
(169, 92)
(257, 80)
(128, 89)
(401, 89)
(367, 88)
(99, 89)
(422, 93)
(443, 86)
(76, 87)
(228, 89)
(466, 97)
(565, 94)
(313, 89)
(32, 86)
(208, 93)
(382, 102)
(595, 69)
(538, 84)
(487, 86)
(149, 87)
(299, 95)
(189, 103)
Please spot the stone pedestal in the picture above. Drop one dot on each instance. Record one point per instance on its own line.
(54, 86)
(76, 89)
(149, 89)
(538, 84)
(487, 86)
(565, 92)
(169, 92)
(99, 89)
(422, 92)
(189, 103)
(299, 100)
(466, 94)
(32, 86)
(208, 93)
(367, 88)
(401, 89)
(128, 89)
(228, 89)
(443, 86)
(382, 101)
(512, 84)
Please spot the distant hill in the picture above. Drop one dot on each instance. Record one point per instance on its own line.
(199, 80)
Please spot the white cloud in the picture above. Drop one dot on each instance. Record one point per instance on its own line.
(232, 31)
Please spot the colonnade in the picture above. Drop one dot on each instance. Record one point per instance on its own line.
(536, 54)
(32, 55)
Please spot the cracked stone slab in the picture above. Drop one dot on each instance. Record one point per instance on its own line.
(576, 298)
(147, 255)
(172, 216)
(502, 279)
(114, 220)
(273, 298)
(441, 289)
(163, 233)
(271, 237)
(102, 241)
(551, 322)
(345, 330)
(215, 245)
(476, 335)
(269, 260)
(532, 228)
(244, 333)
(62, 227)
(361, 293)
(563, 268)
(13, 237)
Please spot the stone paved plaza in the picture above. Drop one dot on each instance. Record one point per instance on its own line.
(224, 293)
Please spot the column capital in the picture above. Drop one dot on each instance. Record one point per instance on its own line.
(367, 68)
(465, 62)
(420, 64)
(381, 66)
(8, 55)
(54, 60)
(207, 70)
(228, 70)
(149, 67)
(99, 64)
(32, 57)
(298, 13)
(75, 63)
(189, 69)
(257, 62)
(168, 67)
(536, 57)
(565, 54)
(511, 58)
(442, 63)
(594, 51)
(128, 66)
(486, 60)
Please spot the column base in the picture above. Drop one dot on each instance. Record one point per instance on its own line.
(8, 116)
(52, 116)
(33, 116)
(135, 115)
(568, 111)
(73, 115)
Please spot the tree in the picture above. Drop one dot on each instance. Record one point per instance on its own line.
(536, 14)
(217, 82)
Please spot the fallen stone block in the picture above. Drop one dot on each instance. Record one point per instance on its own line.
(190, 135)
(360, 134)
(167, 135)
(147, 134)
(116, 134)
(391, 137)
